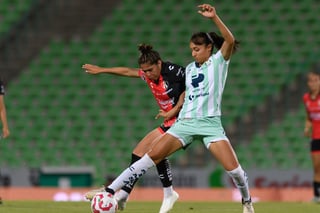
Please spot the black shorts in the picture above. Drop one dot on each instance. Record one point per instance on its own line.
(163, 128)
(315, 145)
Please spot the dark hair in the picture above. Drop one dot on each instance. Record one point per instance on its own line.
(315, 68)
(148, 55)
(213, 38)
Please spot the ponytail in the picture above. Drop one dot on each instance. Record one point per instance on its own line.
(213, 38)
(148, 55)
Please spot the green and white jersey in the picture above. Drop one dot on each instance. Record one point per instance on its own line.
(204, 87)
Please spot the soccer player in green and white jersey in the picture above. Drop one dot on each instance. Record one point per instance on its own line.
(200, 114)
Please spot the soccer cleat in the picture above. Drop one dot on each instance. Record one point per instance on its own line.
(316, 200)
(121, 203)
(90, 194)
(247, 206)
(168, 202)
(121, 197)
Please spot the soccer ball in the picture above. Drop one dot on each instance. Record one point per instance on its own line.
(104, 202)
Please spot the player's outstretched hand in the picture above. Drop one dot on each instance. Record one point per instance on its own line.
(5, 133)
(92, 69)
(166, 115)
(207, 10)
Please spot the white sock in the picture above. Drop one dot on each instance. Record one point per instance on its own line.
(240, 179)
(167, 191)
(133, 172)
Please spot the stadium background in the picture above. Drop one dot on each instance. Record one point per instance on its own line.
(59, 116)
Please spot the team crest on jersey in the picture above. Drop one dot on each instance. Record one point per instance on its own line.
(143, 77)
(197, 79)
(171, 67)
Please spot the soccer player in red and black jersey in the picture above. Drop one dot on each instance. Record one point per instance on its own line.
(3, 117)
(311, 101)
(167, 84)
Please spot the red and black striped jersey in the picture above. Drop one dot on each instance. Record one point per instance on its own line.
(312, 107)
(168, 88)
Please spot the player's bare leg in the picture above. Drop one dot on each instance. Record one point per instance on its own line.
(316, 176)
(225, 154)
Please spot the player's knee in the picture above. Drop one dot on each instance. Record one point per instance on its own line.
(156, 157)
(317, 171)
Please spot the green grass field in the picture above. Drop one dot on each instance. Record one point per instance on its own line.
(148, 207)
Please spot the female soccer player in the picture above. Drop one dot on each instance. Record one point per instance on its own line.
(311, 100)
(201, 110)
(3, 116)
(167, 84)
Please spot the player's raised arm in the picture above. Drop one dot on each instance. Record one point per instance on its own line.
(123, 71)
(227, 47)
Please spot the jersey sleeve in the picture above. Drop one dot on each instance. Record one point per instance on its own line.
(181, 74)
(142, 75)
(218, 55)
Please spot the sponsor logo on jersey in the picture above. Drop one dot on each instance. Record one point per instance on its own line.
(180, 72)
(165, 104)
(192, 97)
(315, 115)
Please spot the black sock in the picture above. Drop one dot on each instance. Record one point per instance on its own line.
(128, 188)
(164, 172)
(109, 190)
(316, 189)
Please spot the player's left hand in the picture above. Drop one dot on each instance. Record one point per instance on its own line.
(166, 115)
(207, 10)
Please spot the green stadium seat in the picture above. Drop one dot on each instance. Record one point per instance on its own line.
(101, 113)
(11, 13)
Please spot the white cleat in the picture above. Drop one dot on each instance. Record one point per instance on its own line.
(168, 202)
(247, 206)
(121, 203)
(121, 198)
(90, 194)
(316, 200)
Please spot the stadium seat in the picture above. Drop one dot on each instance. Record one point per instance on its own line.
(11, 13)
(108, 114)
